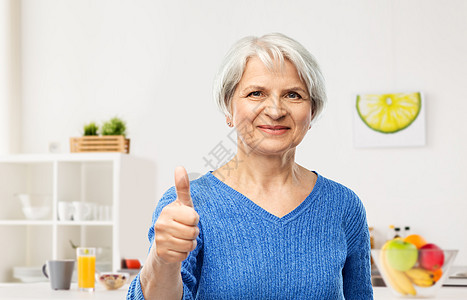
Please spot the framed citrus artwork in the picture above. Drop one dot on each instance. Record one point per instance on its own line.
(389, 120)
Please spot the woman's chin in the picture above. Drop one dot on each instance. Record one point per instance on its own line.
(270, 149)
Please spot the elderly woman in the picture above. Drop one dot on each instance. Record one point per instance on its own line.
(261, 226)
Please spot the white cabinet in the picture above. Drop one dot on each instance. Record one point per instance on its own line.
(122, 184)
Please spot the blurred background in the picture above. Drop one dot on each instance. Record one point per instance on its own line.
(152, 63)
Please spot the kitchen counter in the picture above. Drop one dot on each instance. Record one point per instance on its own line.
(42, 290)
(445, 293)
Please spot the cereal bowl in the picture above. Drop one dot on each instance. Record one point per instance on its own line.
(112, 280)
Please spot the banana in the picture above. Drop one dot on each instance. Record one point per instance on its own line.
(421, 277)
(423, 283)
(397, 279)
(419, 273)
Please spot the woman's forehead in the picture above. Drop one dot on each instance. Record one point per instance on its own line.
(255, 68)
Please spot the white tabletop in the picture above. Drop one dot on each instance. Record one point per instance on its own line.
(445, 293)
(42, 290)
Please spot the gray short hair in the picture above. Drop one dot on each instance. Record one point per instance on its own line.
(269, 48)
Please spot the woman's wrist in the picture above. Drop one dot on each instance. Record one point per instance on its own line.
(160, 279)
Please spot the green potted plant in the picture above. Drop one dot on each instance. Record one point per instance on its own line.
(90, 129)
(112, 138)
(114, 126)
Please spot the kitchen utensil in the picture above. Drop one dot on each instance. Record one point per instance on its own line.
(59, 273)
(35, 206)
(65, 211)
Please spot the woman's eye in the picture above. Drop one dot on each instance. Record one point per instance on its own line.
(254, 94)
(293, 95)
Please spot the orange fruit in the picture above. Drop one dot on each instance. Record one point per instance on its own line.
(415, 239)
(437, 274)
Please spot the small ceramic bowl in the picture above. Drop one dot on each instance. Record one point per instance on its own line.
(35, 206)
(113, 280)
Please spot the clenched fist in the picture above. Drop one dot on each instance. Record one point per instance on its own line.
(176, 229)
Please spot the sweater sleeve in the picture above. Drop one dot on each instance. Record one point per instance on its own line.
(189, 270)
(357, 268)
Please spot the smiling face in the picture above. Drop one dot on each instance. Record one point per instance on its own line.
(271, 109)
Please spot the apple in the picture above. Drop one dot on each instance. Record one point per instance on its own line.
(431, 257)
(401, 255)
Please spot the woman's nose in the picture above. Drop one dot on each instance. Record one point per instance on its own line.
(275, 108)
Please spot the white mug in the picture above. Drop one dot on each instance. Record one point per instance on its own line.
(105, 212)
(94, 215)
(65, 211)
(81, 211)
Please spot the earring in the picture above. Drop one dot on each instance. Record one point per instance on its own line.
(229, 124)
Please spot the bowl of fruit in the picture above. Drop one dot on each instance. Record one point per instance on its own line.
(113, 280)
(412, 267)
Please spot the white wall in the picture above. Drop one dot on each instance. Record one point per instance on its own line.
(10, 67)
(153, 62)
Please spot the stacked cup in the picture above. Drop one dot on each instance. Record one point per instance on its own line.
(83, 211)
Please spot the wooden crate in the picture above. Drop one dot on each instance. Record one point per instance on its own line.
(106, 143)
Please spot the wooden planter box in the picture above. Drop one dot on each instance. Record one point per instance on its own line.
(106, 143)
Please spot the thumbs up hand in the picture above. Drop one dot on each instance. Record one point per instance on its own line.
(182, 185)
(176, 229)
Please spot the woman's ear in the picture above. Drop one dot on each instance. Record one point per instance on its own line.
(228, 120)
(312, 118)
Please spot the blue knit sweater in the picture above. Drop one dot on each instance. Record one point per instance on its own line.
(320, 250)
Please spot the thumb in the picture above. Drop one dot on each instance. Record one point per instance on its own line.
(182, 186)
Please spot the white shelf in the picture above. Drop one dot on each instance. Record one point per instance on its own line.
(51, 222)
(64, 157)
(116, 180)
(26, 222)
(85, 223)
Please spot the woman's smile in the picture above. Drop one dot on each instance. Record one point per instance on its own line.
(274, 130)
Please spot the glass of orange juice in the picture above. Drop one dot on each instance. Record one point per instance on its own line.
(86, 268)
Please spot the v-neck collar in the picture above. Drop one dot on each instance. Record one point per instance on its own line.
(244, 201)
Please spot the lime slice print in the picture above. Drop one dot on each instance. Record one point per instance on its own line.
(389, 113)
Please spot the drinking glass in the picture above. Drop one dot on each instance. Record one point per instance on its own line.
(86, 268)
